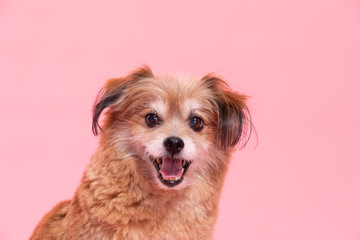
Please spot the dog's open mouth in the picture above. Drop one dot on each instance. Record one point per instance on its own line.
(170, 170)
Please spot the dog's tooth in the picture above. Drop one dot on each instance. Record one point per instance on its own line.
(158, 160)
(183, 163)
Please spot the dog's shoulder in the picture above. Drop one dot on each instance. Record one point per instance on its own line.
(51, 225)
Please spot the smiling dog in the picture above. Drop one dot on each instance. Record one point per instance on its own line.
(165, 144)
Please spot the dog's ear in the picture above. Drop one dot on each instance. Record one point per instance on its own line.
(113, 90)
(233, 118)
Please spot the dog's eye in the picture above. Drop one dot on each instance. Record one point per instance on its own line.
(151, 120)
(196, 123)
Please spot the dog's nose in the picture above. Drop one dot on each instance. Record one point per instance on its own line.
(173, 145)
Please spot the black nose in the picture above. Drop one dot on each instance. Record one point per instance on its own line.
(173, 145)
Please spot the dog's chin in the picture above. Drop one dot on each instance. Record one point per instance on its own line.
(170, 171)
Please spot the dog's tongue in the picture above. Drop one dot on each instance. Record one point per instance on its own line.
(171, 168)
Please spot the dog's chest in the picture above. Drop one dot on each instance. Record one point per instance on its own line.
(180, 224)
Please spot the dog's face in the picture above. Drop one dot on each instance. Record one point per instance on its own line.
(177, 127)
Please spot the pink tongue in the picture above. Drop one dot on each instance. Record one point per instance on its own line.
(171, 168)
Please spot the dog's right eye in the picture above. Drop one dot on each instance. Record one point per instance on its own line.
(151, 120)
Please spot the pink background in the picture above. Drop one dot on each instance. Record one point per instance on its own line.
(299, 60)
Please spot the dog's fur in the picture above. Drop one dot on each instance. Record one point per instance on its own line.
(121, 195)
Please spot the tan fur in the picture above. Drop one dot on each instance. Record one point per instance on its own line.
(120, 196)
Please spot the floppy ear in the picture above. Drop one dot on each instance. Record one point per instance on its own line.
(113, 90)
(233, 118)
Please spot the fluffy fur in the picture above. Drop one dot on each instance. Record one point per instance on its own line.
(121, 195)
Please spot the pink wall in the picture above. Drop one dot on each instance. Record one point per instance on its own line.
(300, 60)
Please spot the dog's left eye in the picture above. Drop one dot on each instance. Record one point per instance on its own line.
(196, 123)
(151, 120)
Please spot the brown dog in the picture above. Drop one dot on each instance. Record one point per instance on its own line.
(160, 166)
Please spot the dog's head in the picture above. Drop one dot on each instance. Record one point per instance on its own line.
(179, 128)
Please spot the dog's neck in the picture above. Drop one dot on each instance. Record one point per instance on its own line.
(113, 192)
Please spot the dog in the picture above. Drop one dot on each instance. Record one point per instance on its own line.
(164, 150)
